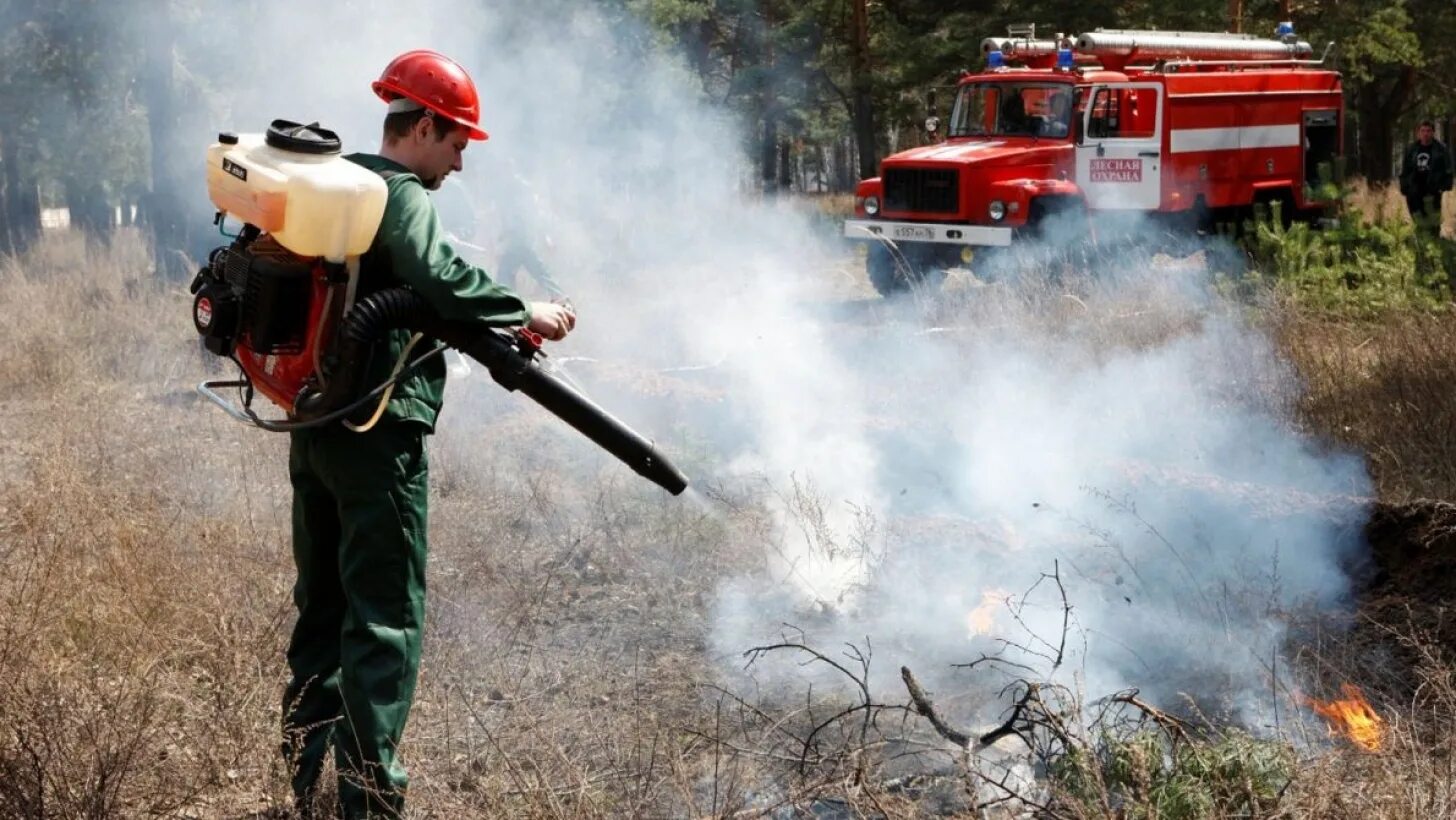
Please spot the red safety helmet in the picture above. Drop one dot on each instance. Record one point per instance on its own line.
(436, 82)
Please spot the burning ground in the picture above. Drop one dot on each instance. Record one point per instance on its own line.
(576, 663)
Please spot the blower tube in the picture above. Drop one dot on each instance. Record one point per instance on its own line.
(510, 360)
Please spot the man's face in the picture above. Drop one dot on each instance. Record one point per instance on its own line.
(1425, 134)
(435, 158)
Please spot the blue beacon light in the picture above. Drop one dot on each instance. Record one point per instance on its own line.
(1065, 60)
(1285, 29)
(996, 59)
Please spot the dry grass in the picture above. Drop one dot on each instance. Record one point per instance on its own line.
(1409, 674)
(137, 616)
(144, 577)
(1385, 389)
(1383, 203)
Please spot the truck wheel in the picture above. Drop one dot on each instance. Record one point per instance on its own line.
(1057, 220)
(1060, 230)
(881, 266)
(915, 264)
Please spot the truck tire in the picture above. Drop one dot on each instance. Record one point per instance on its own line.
(1059, 220)
(881, 266)
(915, 264)
(1059, 229)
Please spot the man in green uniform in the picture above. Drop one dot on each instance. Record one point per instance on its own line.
(359, 498)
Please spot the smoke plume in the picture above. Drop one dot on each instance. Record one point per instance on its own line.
(927, 464)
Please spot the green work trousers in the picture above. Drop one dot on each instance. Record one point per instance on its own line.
(359, 509)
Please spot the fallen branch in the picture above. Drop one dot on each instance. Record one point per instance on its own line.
(927, 710)
(1174, 726)
(1009, 727)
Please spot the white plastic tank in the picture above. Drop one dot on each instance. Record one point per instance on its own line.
(293, 183)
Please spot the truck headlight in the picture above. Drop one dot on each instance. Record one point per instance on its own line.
(997, 210)
(872, 205)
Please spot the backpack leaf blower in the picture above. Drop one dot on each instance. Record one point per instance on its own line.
(280, 302)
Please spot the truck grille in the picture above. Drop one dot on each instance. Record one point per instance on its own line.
(921, 190)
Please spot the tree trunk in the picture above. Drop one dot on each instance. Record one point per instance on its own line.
(768, 150)
(90, 210)
(1236, 15)
(1377, 145)
(165, 213)
(768, 153)
(19, 198)
(5, 243)
(859, 80)
(698, 44)
(1380, 108)
(786, 168)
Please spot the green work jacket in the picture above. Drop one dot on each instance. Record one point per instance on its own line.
(410, 249)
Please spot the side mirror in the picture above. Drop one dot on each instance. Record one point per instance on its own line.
(932, 124)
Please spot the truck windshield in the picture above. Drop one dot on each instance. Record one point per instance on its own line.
(1012, 109)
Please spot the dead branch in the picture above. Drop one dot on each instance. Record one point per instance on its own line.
(927, 710)
(1175, 726)
(1061, 648)
(775, 725)
(866, 704)
(996, 660)
(1066, 612)
(870, 710)
(741, 750)
(758, 651)
(1009, 727)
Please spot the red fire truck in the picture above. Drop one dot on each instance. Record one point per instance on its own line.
(1188, 129)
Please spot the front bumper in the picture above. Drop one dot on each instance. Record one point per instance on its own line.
(927, 232)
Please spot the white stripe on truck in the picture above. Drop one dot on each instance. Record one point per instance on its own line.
(1188, 140)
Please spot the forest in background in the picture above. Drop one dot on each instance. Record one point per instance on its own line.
(94, 94)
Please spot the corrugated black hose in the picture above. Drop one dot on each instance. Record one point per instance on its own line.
(511, 361)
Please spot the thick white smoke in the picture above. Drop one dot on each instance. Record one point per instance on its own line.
(1183, 512)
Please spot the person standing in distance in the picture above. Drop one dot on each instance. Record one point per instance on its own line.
(1425, 174)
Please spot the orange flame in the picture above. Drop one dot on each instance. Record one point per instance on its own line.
(980, 619)
(1353, 717)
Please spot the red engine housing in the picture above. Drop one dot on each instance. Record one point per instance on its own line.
(274, 312)
(280, 376)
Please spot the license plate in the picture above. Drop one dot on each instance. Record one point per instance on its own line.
(912, 232)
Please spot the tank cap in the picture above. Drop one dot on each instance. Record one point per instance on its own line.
(302, 139)
(227, 138)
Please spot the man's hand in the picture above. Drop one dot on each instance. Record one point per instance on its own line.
(552, 320)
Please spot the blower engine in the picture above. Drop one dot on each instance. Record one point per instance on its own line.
(280, 301)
